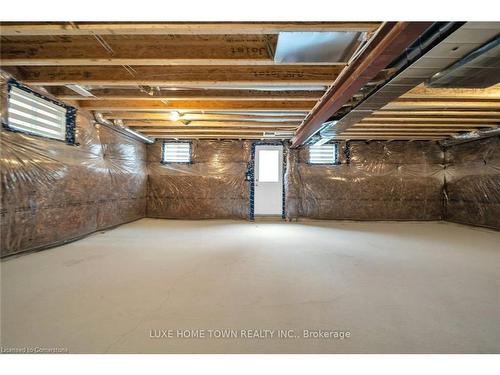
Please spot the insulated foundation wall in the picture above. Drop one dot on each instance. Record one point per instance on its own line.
(373, 181)
(472, 188)
(212, 186)
(52, 192)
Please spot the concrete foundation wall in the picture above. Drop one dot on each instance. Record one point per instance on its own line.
(472, 189)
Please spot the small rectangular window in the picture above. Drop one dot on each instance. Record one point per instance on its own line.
(324, 154)
(176, 152)
(30, 113)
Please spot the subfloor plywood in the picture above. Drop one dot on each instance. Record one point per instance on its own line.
(396, 287)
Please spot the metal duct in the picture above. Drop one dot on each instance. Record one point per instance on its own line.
(471, 136)
(429, 55)
(320, 47)
(120, 128)
(479, 69)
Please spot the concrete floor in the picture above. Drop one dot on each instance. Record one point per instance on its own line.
(396, 287)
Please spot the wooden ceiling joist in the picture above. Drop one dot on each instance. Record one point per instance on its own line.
(438, 92)
(371, 137)
(141, 50)
(186, 130)
(227, 124)
(150, 93)
(179, 105)
(399, 131)
(176, 28)
(220, 80)
(419, 126)
(152, 116)
(407, 134)
(430, 104)
(428, 120)
(218, 137)
(282, 75)
(484, 113)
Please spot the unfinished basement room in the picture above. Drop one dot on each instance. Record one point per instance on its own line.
(250, 187)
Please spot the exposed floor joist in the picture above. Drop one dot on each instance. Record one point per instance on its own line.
(148, 105)
(150, 93)
(452, 114)
(161, 50)
(191, 124)
(187, 76)
(153, 116)
(282, 75)
(177, 28)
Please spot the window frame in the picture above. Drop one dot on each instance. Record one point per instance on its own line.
(336, 154)
(163, 145)
(70, 115)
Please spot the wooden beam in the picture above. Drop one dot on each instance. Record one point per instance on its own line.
(432, 120)
(442, 99)
(400, 130)
(180, 105)
(464, 93)
(151, 116)
(410, 128)
(367, 134)
(223, 124)
(150, 93)
(147, 131)
(444, 113)
(388, 138)
(282, 75)
(217, 136)
(176, 28)
(186, 130)
(141, 50)
(387, 44)
(444, 105)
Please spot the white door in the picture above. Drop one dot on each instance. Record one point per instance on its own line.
(268, 182)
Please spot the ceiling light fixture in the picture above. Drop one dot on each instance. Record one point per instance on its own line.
(174, 115)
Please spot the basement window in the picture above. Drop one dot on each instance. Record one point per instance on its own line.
(176, 152)
(32, 114)
(323, 154)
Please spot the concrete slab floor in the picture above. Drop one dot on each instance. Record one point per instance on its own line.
(396, 287)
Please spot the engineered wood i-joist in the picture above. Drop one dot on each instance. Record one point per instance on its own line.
(129, 105)
(224, 124)
(452, 114)
(141, 50)
(149, 93)
(427, 120)
(186, 130)
(177, 28)
(150, 116)
(281, 75)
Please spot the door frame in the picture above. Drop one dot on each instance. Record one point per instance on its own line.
(251, 171)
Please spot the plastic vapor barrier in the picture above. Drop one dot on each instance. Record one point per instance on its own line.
(374, 181)
(212, 186)
(472, 188)
(53, 192)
